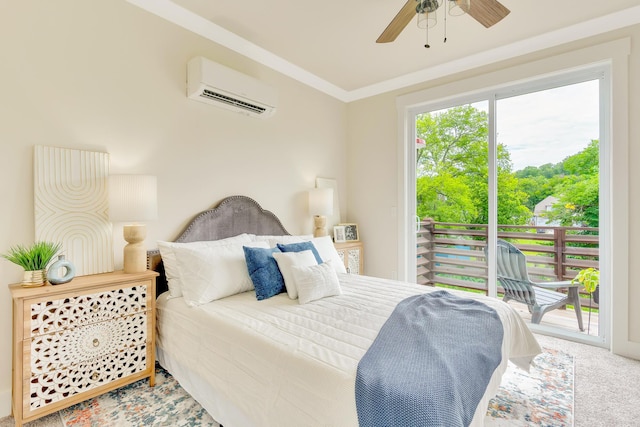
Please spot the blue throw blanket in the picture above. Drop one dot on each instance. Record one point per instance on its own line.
(430, 364)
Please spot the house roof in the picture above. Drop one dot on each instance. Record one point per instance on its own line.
(542, 205)
(330, 45)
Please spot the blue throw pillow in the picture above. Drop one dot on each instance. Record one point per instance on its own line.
(264, 271)
(299, 247)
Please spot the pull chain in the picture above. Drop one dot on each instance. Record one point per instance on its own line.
(445, 20)
(427, 41)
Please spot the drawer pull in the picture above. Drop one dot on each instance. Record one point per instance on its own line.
(95, 376)
(95, 308)
(96, 342)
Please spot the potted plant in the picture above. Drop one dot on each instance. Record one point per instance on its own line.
(33, 259)
(590, 279)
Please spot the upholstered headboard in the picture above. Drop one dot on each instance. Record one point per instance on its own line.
(232, 216)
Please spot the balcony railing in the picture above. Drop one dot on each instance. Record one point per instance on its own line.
(453, 254)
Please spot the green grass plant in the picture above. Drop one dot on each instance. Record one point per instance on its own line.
(35, 257)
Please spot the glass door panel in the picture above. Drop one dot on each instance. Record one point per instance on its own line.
(548, 192)
(452, 196)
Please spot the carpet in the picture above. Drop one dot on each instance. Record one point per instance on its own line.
(166, 404)
(543, 397)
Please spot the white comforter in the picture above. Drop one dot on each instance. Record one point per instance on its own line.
(277, 363)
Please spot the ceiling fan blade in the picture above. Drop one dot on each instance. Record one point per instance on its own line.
(398, 23)
(487, 12)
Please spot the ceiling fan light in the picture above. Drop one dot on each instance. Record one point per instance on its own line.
(427, 20)
(427, 6)
(459, 7)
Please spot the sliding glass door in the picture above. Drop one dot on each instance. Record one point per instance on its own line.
(524, 164)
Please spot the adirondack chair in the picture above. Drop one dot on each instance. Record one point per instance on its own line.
(540, 297)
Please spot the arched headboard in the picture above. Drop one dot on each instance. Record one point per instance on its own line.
(232, 216)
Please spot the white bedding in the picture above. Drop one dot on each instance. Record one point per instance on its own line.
(278, 363)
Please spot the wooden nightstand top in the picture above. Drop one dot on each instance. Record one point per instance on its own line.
(80, 283)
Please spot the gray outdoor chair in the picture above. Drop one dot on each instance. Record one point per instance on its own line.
(539, 297)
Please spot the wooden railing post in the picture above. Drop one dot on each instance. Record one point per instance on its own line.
(559, 241)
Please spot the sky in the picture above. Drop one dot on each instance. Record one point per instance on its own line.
(546, 127)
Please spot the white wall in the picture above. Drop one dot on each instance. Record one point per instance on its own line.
(108, 76)
(373, 175)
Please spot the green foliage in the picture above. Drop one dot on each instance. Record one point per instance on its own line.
(453, 170)
(586, 162)
(537, 187)
(445, 199)
(578, 193)
(512, 201)
(547, 170)
(452, 176)
(589, 278)
(35, 257)
(455, 140)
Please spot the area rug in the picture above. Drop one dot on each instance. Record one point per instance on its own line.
(166, 404)
(542, 397)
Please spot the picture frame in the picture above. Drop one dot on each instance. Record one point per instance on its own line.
(339, 234)
(351, 233)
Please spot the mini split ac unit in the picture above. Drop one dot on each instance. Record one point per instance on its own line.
(224, 87)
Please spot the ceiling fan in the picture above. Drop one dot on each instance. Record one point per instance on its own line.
(486, 12)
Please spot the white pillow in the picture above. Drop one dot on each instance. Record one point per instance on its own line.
(171, 265)
(328, 252)
(213, 272)
(285, 240)
(286, 261)
(316, 282)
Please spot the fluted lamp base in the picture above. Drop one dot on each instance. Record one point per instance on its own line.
(320, 223)
(135, 253)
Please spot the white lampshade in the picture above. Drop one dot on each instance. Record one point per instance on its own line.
(321, 201)
(320, 204)
(133, 198)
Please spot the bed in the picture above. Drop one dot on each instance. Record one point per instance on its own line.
(276, 361)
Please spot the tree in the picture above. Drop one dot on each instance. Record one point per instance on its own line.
(445, 199)
(453, 139)
(453, 170)
(548, 170)
(537, 188)
(586, 162)
(578, 193)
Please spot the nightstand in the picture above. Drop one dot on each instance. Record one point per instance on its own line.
(75, 341)
(352, 256)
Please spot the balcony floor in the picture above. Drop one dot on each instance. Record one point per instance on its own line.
(560, 318)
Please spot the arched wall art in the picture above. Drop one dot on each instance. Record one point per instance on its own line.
(71, 206)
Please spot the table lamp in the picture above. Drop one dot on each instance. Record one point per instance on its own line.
(132, 199)
(320, 205)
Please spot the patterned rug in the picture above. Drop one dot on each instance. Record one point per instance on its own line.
(166, 404)
(544, 397)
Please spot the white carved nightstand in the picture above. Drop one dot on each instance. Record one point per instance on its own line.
(352, 256)
(74, 341)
